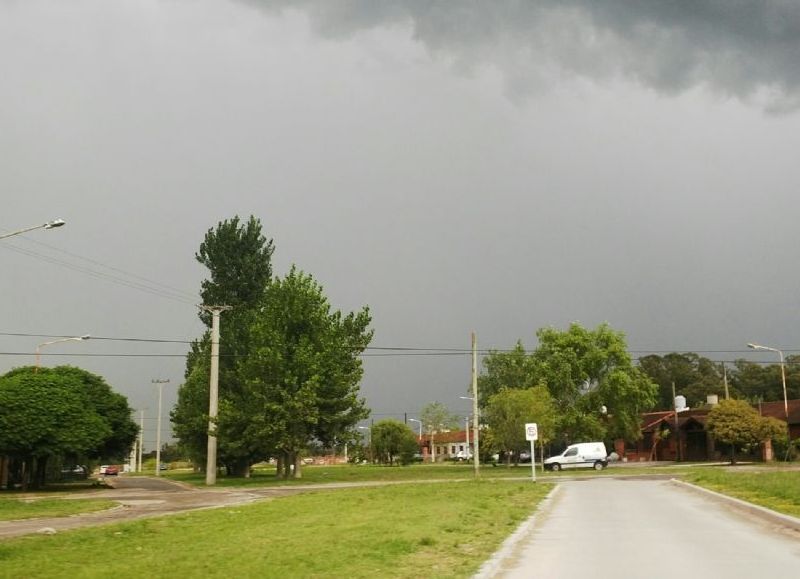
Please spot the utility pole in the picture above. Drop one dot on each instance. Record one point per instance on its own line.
(213, 394)
(141, 441)
(158, 424)
(677, 430)
(725, 381)
(466, 430)
(475, 421)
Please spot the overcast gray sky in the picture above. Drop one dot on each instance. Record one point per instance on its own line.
(457, 166)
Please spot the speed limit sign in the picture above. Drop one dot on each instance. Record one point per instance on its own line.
(531, 431)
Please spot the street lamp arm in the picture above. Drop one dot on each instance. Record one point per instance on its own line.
(49, 225)
(51, 342)
(783, 375)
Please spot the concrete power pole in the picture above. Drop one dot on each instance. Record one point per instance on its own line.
(158, 424)
(141, 442)
(475, 420)
(213, 394)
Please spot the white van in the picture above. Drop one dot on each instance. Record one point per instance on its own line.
(581, 455)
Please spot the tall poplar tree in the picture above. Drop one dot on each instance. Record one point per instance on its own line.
(239, 261)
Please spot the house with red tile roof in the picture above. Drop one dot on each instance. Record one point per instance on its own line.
(667, 435)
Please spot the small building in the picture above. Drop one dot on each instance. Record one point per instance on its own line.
(450, 445)
(687, 439)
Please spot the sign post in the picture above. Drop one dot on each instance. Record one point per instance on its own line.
(532, 435)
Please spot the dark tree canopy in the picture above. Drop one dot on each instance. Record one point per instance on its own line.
(289, 364)
(62, 413)
(304, 370)
(694, 376)
(239, 261)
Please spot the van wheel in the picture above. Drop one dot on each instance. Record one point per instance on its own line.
(598, 466)
(555, 467)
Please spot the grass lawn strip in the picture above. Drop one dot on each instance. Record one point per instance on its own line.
(444, 530)
(313, 474)
(15, 508)
(773, 489)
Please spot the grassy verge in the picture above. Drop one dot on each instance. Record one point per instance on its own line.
(444, 530)
(364, 473)
(30, 508)
(774, 489)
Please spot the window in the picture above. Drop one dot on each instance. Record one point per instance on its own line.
(571, 452)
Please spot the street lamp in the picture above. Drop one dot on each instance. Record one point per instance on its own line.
(160, 384)
(49, 225)
(420, 426)
(474, 457)
(43, 344)
(783, 375)
(369, 439)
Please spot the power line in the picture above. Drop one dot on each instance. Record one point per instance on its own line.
(160, 292)
(112, 268)
(401, 349)
(396, 355)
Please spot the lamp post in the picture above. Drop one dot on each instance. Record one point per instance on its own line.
(474, 453)
(158, 424)
(43, 344)
(369, 439)
(49, 225)
(783, 376)
(420, 427)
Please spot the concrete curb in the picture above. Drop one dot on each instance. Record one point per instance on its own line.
(492, 566)
(764, 513)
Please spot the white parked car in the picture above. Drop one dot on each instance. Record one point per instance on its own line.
(581, 455)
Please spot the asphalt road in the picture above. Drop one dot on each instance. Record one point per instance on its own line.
(637, 529)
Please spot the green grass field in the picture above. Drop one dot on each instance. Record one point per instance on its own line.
(442, 530)
(775, 489)
(13, 508)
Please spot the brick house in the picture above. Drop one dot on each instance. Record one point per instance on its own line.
(663, 439)
(448, 445)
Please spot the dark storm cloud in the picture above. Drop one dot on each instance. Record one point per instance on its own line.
(749, 50)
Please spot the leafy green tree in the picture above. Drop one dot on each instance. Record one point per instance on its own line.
(509, 410)
(289, 364)
(587, 372)
(515, 369)
(190, 415)
(47, 415)
(737, 424)
(303, 373)
(393, 442)
(111, 406)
